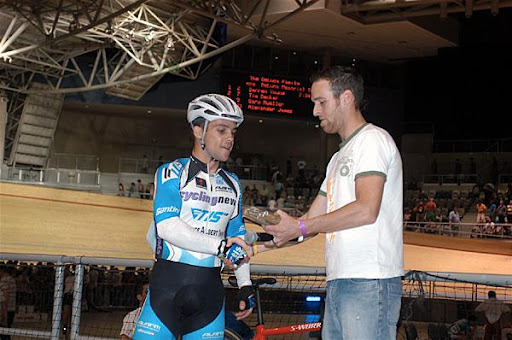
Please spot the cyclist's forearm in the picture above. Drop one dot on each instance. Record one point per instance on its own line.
(243, 274)
(180, 234)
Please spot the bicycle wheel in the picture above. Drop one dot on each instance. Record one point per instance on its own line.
(231, 335)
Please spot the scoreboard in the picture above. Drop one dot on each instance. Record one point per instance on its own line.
(270, 95)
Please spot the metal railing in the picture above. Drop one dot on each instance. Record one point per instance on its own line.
(464, 230)
(57, 177)
(139, 165)
(75, 162)
(461, 179)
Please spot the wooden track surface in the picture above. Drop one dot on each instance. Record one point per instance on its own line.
(41, 220)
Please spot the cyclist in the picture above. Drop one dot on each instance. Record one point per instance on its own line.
(199, 225)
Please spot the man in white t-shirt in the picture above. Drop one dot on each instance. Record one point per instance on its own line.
(359, 208)
(130, 320)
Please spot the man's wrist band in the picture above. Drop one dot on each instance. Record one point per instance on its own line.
(302, 228)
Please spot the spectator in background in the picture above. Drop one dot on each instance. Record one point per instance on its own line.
(509, 210)
(130, 320)
(475, 191)
(7, 299)
(255, 195)
(489, 193)
(120, 189)
(246, 196)
(508, 193)
(149, 191)
(493, 310)
(264, 193)
(280, 201)
(278, 188)
(419, 211)
(272, 204)
(501, 212)
(489, 227)
(140, 188)
(491, 211)
(132, 189)
(67, 302)
(454, 220)
(481, 212)
(430, 209)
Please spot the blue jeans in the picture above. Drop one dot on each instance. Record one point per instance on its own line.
(362, 309)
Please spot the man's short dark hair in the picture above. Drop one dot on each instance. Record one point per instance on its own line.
(491, 294)
(343, 78)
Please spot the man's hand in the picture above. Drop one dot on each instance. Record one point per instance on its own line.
(286, 230)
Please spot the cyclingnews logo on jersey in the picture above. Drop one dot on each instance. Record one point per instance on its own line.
(201, 196)
(207, 216)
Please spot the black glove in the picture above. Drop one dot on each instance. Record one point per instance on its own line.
(246, 294)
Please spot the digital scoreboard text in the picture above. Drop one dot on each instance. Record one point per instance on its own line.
(273, 95)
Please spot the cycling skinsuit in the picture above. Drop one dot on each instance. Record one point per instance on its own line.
(186, 294)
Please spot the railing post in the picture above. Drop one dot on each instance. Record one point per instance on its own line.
(57, 300)
(77, 301)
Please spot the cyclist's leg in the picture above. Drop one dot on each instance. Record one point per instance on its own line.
(149, 326)
(214, 330)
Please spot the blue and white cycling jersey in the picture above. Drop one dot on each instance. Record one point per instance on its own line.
(210, 203)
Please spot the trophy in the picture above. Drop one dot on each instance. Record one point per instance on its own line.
(260, 216)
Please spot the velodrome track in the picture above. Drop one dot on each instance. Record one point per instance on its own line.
(41, 220)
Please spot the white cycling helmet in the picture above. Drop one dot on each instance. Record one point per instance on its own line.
(214, 106)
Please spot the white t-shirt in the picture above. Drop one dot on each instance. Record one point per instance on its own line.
(375, 250)
(129, 322)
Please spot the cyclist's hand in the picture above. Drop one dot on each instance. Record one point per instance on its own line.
(244, 313)
(234, 251)
(241, 243)
(246, 302)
